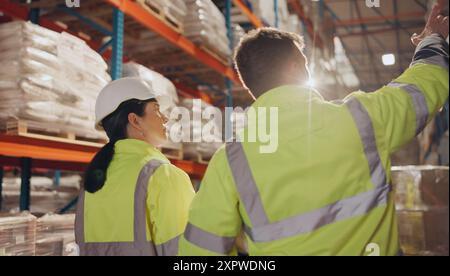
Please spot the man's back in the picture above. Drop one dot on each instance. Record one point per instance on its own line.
(326, 189)
(318, 177)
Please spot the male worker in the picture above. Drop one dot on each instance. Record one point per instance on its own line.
(326, 190)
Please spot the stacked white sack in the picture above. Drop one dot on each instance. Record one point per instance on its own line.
(49, 77)
(205, 25)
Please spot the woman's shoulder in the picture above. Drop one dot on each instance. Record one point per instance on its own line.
(166, 170)
(170, 179)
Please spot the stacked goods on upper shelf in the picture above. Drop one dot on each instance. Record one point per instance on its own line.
(283, 15)
(17, 235)
(165, 90)
(238, 34)
(293, 25)
(55, 235)
(422, 195)
(49, 78)
(175, 10)
(265, 10)
(204, 135)
(205, 25)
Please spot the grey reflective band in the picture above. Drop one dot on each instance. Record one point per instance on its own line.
(367, 134)
(420, 104)
(308, 222)
(348, 208)
(169, 248)
(434, 60)
(209, 241)
(140, 200)
(140, 246)
(246, 185)
(116, 249)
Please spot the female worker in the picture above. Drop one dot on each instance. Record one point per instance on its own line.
(134, 201)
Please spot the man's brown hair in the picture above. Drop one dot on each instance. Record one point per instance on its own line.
(262, 56)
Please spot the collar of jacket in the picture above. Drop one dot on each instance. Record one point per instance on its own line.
(133, 146)
(284, 95)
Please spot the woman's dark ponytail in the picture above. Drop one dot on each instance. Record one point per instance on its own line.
(95, 176)
(115, 126)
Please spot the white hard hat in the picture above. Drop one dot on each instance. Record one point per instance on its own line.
(118, 92)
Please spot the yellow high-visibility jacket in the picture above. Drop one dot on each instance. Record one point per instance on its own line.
(141, 210)
(326, 190)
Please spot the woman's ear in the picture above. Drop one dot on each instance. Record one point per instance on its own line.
(133, 120)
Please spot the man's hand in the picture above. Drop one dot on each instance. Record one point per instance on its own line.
(437, 24)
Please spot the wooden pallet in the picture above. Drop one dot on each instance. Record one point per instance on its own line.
(175, 153)
(202, 159)
(45, 131)
(214, 54)
(197, 157)
(159, 12)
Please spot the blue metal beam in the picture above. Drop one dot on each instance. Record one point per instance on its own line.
(57, 178)
(321, 9)
(228, 83)
(247, 26)
(69, 206)
(277, 18)
(105, 46)
(248, 4)
(25, 184)
(117, 45)
(33, 16)
(86, 20)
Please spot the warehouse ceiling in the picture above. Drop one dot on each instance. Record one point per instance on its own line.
(369, 33)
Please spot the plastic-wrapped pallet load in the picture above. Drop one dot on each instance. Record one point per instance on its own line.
(283, 15)
(174, 9)
(45, 196)
(36, 183)
(166, 92)
(48, 77)
(264, 10)
(422, 197)
(55, 235)
(238, 34)
(17, 235)
(205, 25)
(293, 25)
(203, 143)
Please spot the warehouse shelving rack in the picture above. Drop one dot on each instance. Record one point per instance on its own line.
(28, 153)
